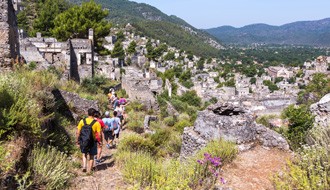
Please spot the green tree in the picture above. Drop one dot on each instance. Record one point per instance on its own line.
(278, 79)
(200, 64)
(47, 12)
(300, 121)
(131, 48)
(169, 56)
(118, 51)
(191, 98)
(253, 80)
(271, 86)
(76, 21)
(231, 82)
(120, 36)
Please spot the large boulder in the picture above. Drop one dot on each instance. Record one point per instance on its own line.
(321, 111)
(72, 105)
(229, 122)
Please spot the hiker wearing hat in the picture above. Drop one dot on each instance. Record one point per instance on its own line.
(108, 129)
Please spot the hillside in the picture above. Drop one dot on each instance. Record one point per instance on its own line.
(153, 23)
(314, 33)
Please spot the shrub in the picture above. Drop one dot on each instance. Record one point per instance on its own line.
(138, 168)
(135, 106)
(206, 158)
(191, 98)
(226, 150)
(173, 145)
(50, 167)
(264, 120)
(161, 136)
(32, 65)
(169, 121)
(207, 171)
(134, 143)
(184, 116)
(180, 125)
(310, 170)
(18, 114)
(300, 121)
(319, 136)
(135, 122)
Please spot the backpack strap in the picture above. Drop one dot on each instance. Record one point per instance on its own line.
(84, 120)
(93, 122)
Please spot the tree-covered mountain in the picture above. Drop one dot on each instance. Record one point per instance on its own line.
(153, 23)
(315, 33)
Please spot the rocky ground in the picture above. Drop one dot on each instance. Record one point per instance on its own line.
(254, 168)
(106, 175)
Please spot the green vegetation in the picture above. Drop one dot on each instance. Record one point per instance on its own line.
(76, 21)
(315, 90)
(310, 170)
(145, 171)
(300, 121)
(39, 15)
(271, 86)
(50, 167)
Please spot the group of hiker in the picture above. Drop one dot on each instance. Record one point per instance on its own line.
(93, 129)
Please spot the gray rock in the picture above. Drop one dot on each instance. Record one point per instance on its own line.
(72, 105)
(321, 111)
(147, 120)
(229, 122)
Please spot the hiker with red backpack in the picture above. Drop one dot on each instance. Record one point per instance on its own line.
(97, 116)
(88, 136)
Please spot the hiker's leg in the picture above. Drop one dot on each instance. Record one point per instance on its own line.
(92, 153)
(91, 163)
(84, 157)
(99, 151)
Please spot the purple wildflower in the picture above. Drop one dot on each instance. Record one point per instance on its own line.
(200, 161)
(222, 180)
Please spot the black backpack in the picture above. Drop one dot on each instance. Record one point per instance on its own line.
(86, 139)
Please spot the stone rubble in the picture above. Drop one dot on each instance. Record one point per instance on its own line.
(230, 122)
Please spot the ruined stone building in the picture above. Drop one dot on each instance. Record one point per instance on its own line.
(76, 56)
(140, 88)
(9, 44)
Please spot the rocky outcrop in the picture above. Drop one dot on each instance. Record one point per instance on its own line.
(232, 123)
(321, 111)
(72, 105)
(147, 120)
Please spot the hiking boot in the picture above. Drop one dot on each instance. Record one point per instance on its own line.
(108, 146)
(97, 162)
(84, 170)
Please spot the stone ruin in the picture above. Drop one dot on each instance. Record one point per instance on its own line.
(230, 122)
(9, 44)
(142, 88)
(76, 56)
(321, 111)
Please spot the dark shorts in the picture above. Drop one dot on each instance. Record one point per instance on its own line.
(92, 151)
(108, 135)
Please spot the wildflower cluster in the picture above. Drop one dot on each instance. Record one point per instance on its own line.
(209, 169)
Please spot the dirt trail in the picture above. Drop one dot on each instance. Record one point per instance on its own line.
(252, 170)
(106, 175)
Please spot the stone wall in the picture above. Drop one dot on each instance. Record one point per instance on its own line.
(9, 44)
(321, 111)
(229, 122)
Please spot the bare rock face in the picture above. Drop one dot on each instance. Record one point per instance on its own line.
(321, 110)
(72, 105)
(232, 123)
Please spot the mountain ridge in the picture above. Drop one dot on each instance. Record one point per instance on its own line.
(315, 33)
(151, 22)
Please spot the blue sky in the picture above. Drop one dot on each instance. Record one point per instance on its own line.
(238, 13)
